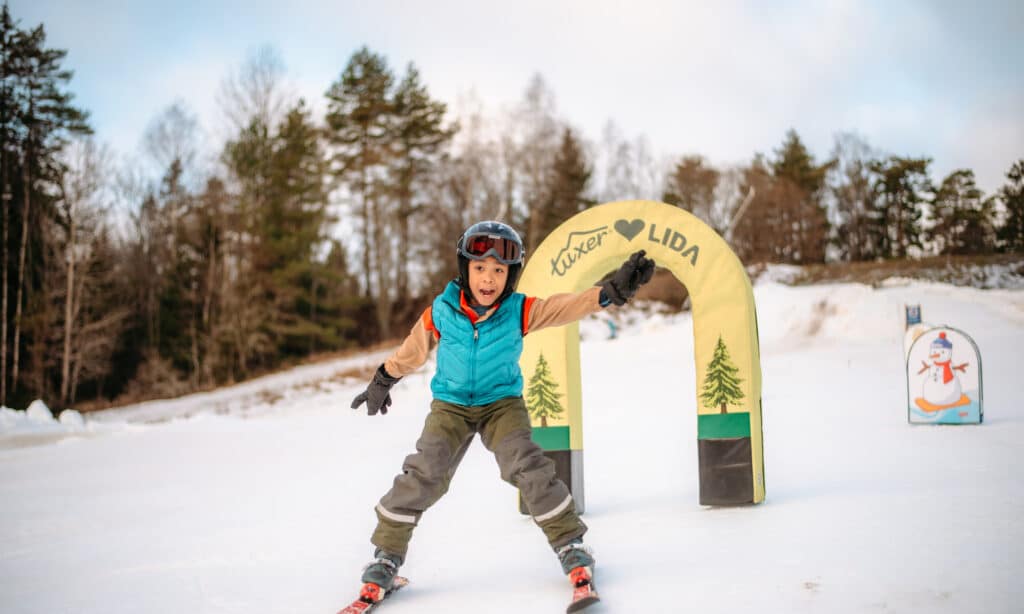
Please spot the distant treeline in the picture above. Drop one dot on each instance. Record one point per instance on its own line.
(308, 234)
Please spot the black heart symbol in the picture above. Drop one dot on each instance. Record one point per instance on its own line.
(629, 229)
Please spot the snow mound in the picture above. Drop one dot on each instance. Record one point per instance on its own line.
(780, 273)
(36, 424)
(39, 413)
(896, 281)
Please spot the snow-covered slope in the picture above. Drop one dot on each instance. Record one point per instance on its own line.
(258, 498)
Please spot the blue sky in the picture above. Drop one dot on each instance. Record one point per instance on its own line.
(724, 79)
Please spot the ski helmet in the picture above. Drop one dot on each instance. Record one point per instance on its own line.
(494, 239)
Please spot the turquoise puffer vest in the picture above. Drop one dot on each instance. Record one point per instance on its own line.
(477, 365)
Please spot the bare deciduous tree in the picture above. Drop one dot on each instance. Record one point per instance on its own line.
(536, 134)
(255, 90)
(628, 167)
(173, 136)
(81, 208)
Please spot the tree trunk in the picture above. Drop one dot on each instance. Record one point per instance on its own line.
(724, 410)
(195, 352)
(76, 370)
(4, 195)
(211, 273)
(404, 251)
(152, 306)
(27, 189)
(367, 230)
(383, 261)
(69, 316)
(899, 230)
(77, 355)
(312, 310)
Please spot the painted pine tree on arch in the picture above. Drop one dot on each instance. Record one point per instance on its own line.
(542, 396)
(721, 384)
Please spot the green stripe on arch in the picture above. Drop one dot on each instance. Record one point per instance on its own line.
(723, 426)
(551, 437)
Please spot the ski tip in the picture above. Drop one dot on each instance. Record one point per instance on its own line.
(361, 606)
(583, 603)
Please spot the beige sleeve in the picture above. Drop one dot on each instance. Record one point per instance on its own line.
(560, 309)
(414, 350)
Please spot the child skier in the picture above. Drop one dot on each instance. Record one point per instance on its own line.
(478, 324)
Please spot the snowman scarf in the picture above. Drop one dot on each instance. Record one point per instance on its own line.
(947, 372)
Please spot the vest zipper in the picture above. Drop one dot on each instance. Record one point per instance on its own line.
(472, 366)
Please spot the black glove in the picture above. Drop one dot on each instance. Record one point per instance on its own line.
(633, 273)
(378, 394)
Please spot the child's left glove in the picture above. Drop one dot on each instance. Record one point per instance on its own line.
(634, 272)
(377, 395)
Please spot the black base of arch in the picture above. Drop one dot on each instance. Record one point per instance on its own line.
(569, 469)
(726, 471)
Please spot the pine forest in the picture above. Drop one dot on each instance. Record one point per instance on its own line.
(319, 232)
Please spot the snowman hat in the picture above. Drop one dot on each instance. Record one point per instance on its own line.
(942, 342)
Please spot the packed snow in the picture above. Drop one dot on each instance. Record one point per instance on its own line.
(259, 498)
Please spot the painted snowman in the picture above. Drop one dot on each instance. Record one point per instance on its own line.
(941, 384)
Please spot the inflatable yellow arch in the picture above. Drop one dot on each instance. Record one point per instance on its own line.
(582, 251)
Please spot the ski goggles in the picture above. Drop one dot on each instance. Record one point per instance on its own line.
(480, 246)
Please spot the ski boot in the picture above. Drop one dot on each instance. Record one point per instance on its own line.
(381, 572)
(379, 581)
(578, 563)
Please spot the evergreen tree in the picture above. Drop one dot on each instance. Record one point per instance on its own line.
(248, 158)
(901, 188)
(293, 228)
(721, 386)
(37, 118)
(339, 303)
(178, 267)
(786, 221)
(283, 199)
(808, 231)
(691, 186)
(796, 163)
(359, 123)
(1011, 233)
(570, 176)
(542, 394)
(419, 136)
(212, 227)
(962, 217)
(7, 31)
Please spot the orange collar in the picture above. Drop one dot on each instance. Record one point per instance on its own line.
(468, 309)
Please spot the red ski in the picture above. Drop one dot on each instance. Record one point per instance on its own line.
(371, 595)
(584, 594)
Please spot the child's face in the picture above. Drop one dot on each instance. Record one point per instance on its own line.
(487, 279)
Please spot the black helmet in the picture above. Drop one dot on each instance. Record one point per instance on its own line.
(495, 239)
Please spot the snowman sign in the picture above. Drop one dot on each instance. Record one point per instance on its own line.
(944, 378)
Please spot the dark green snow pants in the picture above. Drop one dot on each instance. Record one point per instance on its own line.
(504, 427)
